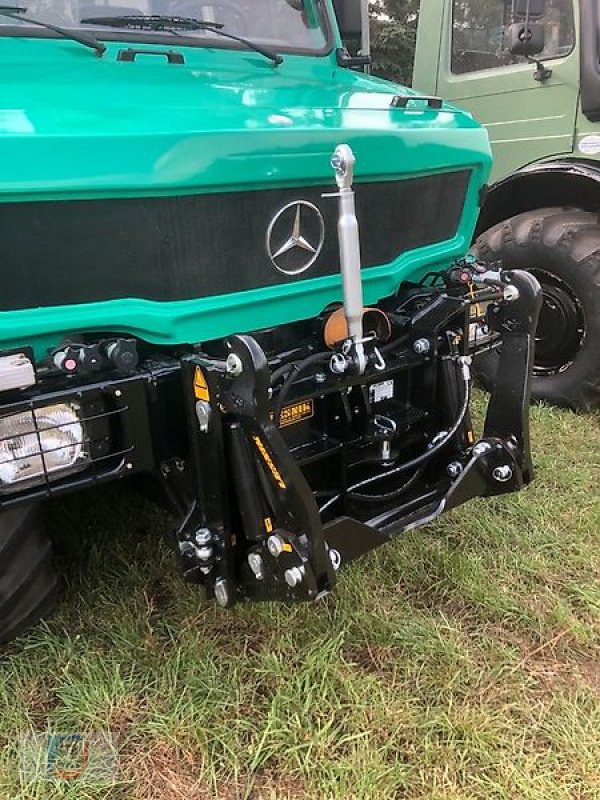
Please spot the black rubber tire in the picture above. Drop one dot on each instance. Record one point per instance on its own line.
(561, 246)
(28, 585)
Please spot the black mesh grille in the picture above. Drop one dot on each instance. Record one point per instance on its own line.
(175, 248)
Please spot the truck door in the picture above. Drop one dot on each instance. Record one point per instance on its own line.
(527, 119)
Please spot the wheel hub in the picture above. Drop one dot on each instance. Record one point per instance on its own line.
(560, 328)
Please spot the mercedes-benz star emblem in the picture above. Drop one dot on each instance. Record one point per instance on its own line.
(295, 237)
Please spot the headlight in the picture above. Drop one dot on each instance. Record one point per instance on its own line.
(41, 445)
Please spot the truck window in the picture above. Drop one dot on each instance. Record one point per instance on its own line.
(478, 34)
(292, 25)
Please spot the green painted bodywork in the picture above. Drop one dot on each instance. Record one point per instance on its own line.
(73, 125)
(527, 121)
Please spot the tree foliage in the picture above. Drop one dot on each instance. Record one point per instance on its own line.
(393, 34)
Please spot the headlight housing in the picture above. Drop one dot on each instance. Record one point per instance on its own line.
(41, 445)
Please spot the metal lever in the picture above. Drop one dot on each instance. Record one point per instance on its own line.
(343, 161)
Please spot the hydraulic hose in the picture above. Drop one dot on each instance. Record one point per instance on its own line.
(377, 498)
(419, 460)
(295, 371)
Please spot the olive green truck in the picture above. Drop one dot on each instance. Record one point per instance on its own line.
(530, 72)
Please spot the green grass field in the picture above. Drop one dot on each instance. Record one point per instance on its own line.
(461, 661)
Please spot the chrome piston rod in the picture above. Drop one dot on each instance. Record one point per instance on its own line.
(342, 162)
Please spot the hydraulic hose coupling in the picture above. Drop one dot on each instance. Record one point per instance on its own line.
(343, 161)
(465, 367)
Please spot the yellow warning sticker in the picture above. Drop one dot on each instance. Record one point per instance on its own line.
(200, 386)
(296, 413)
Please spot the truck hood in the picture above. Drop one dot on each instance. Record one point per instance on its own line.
(72, 124)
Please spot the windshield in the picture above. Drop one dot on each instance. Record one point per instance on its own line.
(291, 25)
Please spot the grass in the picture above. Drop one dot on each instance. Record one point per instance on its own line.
(459, 662)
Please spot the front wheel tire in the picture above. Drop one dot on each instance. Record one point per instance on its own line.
(28, 585)
(561, 247)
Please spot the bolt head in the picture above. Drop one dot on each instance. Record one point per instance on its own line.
(480, 448)
(234, 365)
(202, 536)
(275, 545)
(338, 364)
(503, 473)
(454, 469)
(255, 563)
(335, 558)
(421, 346)
(222, 593)
(204, 553)
(293, 576)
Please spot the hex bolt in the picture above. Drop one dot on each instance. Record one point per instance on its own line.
(203, 412)
(421, 346)
(202, 537)
(510, 293)
(480, 448)
(222, 595)
(234, 365)
(335, 558)
(294, 576)
(204, 553)
(338, 364)
(275, 545)
(454, 469)
(503, 473)
(255, 563)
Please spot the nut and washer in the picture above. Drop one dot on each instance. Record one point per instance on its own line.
(480, 448)
(234, 365)
(338, 364)
(335, 558)
(421, 346)
(202, 537)
(503, 473)
(294, 576)
(275, 545)
(454, 469)
(510, 293)
(204, 553)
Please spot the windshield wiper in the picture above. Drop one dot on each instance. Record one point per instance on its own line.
(171, 24)
(15, 12)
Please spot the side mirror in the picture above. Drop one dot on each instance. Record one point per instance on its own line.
(525, 38)
(349, 17)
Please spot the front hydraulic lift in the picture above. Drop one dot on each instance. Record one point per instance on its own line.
(254, 528)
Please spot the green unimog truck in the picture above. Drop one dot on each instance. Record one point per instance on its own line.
(529, 70)
(233, 265)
